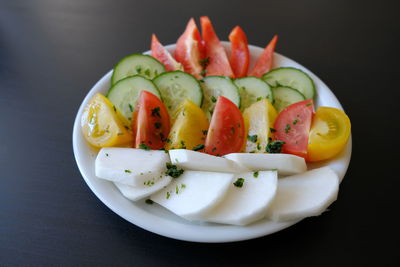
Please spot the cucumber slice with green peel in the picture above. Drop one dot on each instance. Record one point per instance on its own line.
(215, 86)
(176, 86)
(285, 96)
(252, 89)
(291, 77)
(124, 94)
(137, 64)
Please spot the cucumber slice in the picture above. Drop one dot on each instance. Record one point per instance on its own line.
(252, 89)
(291, 77)
(137, 64)
(285, 96)
(124, 94)
(215, 86)
(176, 86)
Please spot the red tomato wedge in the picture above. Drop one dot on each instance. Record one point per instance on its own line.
(293, 127)
(150, 122)
(240, 55)
(264, 62)
(218, 63)
(159, 52)
(226, 132)
(189, 50)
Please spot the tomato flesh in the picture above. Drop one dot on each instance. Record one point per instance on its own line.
(264, 62)
(159, 52)
(150, 122)
(218, 63)
(240, 55)
(293, 127)
(189, 50)
(227, 132)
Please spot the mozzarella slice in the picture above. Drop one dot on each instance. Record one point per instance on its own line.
(194, 193)
(246, 204)
(149, 187)
(304, 195)
(285, 164)
(197, 161)
(130, 166)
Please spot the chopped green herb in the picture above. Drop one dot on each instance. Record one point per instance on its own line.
(168, 195)
(130, 107)
(259, 98)
(128, 171)
(168, 140)
(252, 138)
(308, 104)
(203, 73)
(287, 128)
(272, 130)
(183, 146)
(107, 154)
(138, 69)
(156, 112)
(239, 182)
(129, 118)
(258, 147)
(176, 189)
(198, 147)
(166, 151)
(147, 72)
(144, 146)
(275, 146)
(183, 186)
(157, 125)
(213, 149)
(255, 174)
(204, 62)
(205, 132)
(295, 121)
(149, 201)
(213, 99)
(114, 108)
(173, 171)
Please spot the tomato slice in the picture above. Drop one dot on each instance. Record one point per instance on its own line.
(293, 127)
(159, 52)
(218, 63)
(150, 122)
(240, 55)
(329, 133)
(264, 62)
(189, 50)
(227, 132)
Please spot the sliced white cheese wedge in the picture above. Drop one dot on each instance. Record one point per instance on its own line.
(197, 161)
(304, 195)
(130, 166)
(194, 193)
(146, 189)
(285, 164)
(246, 204)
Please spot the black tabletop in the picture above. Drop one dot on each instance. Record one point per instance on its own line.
(52, 53)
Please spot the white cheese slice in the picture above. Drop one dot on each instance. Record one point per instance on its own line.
(146, 189)
(197, 161)
(130, 166)
(285, 164)
(246, 204)
(194, 193)
(304, 195)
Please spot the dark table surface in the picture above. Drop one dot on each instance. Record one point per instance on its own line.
(52, 53)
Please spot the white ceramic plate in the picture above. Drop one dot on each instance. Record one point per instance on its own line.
(158, 220)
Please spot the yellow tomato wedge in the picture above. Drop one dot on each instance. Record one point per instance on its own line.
(189, 127)
(101, 124)
(329, 133)
(258, 119)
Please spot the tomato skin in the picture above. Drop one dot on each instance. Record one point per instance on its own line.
(293, 127)
(218, 60)
(330, 131)
(240, 55)
(150, 122)
(264, 62)
(159, 52)
(189, 50)
(227, 132)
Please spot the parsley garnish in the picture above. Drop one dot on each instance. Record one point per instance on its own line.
(144, 146)
(272, 130)
(128, 171)
(259, 98)
(173, 171)
(203, 73)
(138, 69)
(213, 99)
(149, 201)
(213, 149)
(239, 182)
(157, 125)
(255, 174)
(308, 104)
(295, 121)
(204, 62)
(287, 128)
(168, 195)
(156, 112)
(114, 108)
(130, 107)
(183, 146)
(252, 138)
(198, 147)
(205, 132)
(275, 146)
(107, 154)
(147, 72)
(258, 147)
